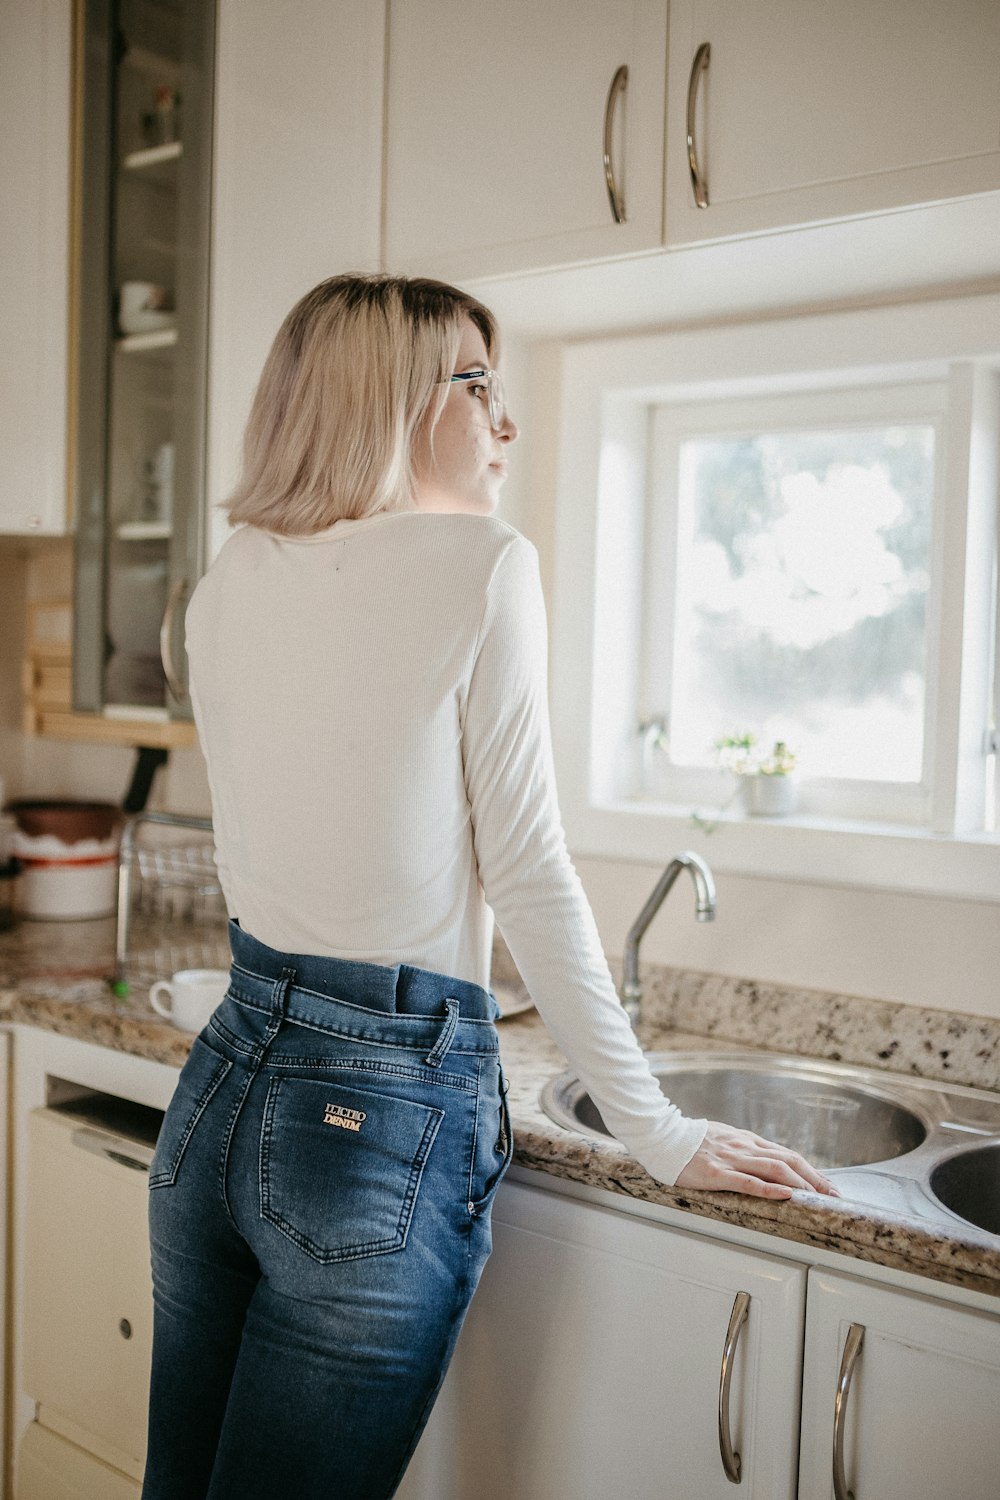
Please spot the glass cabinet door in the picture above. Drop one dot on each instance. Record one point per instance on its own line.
(144, 197)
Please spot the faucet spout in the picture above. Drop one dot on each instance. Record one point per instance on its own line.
(704, 910)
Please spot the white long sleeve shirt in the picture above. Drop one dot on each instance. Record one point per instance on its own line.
(372, 705)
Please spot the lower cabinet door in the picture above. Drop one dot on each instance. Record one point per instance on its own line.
(50, 1468)
(88, 1298)
(591, 1360)
(920, 1417)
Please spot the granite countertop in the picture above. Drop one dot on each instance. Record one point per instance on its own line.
(55, 975)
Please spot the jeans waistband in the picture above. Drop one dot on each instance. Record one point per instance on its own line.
(348, 997)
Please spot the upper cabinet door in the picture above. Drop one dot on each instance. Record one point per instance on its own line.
(35, 128)
(809, 110)
(497, 127)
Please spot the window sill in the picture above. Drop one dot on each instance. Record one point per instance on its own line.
(820, 851)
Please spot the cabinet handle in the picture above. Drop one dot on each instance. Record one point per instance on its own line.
(730, 1460)
(618, 86)
(852, 1348)
(700, 64)
(166, 638)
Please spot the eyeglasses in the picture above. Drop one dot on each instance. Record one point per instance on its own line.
(494, 393)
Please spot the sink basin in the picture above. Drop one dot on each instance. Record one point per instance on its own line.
(968, 1183)
(834, 1121)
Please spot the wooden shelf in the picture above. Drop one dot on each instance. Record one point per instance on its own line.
(95, 729)
(46, 685)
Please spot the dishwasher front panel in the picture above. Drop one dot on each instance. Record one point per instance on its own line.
(50, 1468)
(88, 1290)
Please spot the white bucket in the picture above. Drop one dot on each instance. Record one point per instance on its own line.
(67, 881)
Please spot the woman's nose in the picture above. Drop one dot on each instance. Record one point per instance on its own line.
(509, 430)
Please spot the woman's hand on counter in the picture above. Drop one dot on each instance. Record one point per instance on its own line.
(737, 1161)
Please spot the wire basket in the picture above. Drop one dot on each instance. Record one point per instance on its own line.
(171, 909)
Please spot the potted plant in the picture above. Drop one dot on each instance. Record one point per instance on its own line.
(766, 781)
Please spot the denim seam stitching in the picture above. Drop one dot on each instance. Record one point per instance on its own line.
(319, 995)
(168, 1177)
(349, 1252)
(366, 1065)
(469, 1200)
(227, 1140)
(231, 1038)
(496, 1178)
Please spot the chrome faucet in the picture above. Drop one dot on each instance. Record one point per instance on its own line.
(704, 885)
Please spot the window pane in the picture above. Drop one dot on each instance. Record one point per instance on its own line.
(803, 569)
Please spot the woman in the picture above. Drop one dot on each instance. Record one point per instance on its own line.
(368, 675)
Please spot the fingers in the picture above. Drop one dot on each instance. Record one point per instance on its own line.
(812, 1179)
(732, 1160)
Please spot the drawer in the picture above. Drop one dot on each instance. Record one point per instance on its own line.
(88, 1288)
(50, 1468)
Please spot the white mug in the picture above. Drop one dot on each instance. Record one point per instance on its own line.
(191, 995)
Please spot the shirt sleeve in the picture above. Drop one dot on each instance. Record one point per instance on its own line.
(529, 880)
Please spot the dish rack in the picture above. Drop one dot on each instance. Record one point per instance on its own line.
(175, 883)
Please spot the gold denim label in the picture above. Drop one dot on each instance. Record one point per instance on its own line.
(347, 1119)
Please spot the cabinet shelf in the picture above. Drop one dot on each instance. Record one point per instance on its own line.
(143, 60)
(152, 156)
(144, 531)
(146, 343)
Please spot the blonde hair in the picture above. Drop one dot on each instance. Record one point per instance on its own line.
(354, 370)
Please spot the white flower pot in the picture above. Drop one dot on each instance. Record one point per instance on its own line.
(769, 796)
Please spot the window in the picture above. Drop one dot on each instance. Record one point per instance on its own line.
(788, 578)
(788, 527)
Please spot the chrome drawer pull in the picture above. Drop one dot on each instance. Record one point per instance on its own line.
(730, 1460)
(699, 66)
(618, 86)
(852, 1348)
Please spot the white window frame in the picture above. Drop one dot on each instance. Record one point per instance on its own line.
(852, 407)
(608, 390)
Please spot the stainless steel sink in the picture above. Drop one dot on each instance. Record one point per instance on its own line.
(833, 1120)
(907, 1146)
(968, 1183)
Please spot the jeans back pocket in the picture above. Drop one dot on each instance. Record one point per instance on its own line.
(200, 1076)
(340, 1167)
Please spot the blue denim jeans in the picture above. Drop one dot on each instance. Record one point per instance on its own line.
(319, 1219)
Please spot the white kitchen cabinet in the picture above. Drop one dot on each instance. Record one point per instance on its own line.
(590, 1364)
(812, 112)
(495, 134)
(296, 187)
(920, 1418)
(35, 127)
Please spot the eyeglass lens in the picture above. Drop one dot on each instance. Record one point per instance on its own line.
(496, 400)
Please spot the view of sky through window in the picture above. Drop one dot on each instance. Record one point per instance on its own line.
(803, 569)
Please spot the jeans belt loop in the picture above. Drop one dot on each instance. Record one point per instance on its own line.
(279, 994)
(439, 1051)
(279, 1006)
